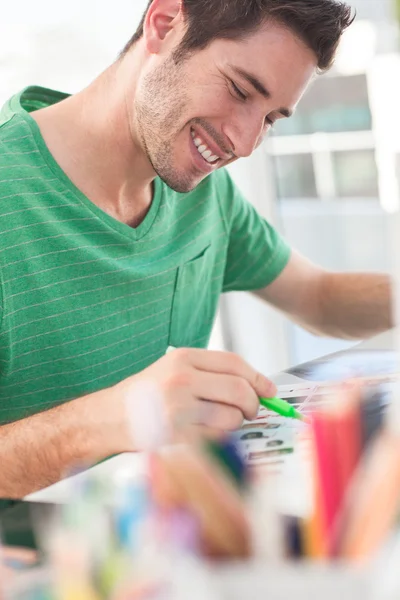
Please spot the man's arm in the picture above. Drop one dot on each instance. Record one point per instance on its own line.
(344, 305)
(38, 451)
(204, 393)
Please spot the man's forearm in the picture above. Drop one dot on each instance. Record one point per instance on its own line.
(355, 305)
(40, 450)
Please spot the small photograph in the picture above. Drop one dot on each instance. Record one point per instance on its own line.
(248, 426)
(256, 432)
(296, 400)
(252, 435)
(274, 443)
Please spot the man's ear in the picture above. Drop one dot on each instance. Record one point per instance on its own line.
(161, 20)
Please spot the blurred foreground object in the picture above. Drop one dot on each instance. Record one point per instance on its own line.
(190, 479)
(356, 453)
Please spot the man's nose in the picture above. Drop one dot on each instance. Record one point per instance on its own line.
(245, 135)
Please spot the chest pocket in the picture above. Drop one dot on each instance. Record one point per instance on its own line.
(194, 303)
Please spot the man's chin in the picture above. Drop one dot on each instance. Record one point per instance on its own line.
(182, 185)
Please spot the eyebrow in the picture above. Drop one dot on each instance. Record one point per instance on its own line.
(260, 88)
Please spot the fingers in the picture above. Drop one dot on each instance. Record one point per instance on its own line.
(221, 417)
(227, 363)
(192, 420)
(209, 420)
(229, 390)
(214, 390)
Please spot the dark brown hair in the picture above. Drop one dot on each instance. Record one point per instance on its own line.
(319, 23)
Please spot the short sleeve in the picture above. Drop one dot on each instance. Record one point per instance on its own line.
(257, 253)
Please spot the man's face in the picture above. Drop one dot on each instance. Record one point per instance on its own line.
(218, 104)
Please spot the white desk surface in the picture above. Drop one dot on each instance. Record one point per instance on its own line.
(116, 466)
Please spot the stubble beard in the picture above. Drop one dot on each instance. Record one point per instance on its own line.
(159, 109)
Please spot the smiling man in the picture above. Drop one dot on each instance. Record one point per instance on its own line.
(120, 229)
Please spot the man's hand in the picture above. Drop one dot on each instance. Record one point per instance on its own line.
(210, 392)
(204, 394)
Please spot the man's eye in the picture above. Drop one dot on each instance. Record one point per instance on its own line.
(238, 92)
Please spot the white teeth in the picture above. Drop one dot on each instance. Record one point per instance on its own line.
(203, 149)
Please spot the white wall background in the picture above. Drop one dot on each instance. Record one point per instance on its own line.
(62, 45)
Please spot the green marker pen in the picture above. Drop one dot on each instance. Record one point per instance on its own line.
(281, 407)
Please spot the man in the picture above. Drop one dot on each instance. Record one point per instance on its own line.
(119, 231)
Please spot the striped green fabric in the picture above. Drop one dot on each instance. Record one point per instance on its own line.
(86, 300)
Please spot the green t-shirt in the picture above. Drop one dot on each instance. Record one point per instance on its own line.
(86, 300)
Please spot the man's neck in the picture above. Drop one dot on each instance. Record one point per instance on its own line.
(90, 136)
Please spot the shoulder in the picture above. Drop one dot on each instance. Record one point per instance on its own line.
(19, 164)
(15, 137)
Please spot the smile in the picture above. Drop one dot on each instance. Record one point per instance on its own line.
(203, 149)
